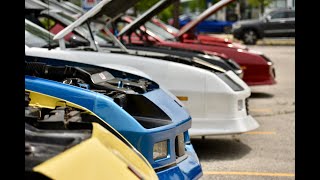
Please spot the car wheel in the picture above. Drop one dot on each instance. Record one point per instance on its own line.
(250, 37)
(227, 29)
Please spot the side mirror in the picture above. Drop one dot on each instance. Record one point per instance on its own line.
(267, 18)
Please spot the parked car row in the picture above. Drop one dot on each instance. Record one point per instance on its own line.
(96, 100)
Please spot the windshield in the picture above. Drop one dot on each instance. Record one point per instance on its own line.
(32, 40)
(161, 33)
(36, 37)
(83, 29)
(171, 29)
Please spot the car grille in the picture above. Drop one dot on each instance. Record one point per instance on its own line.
(179, 145)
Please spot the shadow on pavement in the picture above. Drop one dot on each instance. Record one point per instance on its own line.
(220, 149)
(260, 95)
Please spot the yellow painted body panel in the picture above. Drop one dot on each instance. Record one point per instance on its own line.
(102, 156)
(50, 102)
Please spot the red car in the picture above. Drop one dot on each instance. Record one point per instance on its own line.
(198, 38)
(257, 68)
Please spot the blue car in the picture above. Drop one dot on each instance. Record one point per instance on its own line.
(148, 117)
(208, 25)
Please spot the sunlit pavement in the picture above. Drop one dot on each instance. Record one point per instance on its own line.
(266, 41)
(269, 151)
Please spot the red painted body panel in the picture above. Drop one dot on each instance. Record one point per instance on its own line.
(257, 69)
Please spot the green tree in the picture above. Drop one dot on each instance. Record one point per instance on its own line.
(260, 3)
(144, 5)
(194, 5)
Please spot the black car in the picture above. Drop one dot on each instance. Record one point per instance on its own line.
(276, 23)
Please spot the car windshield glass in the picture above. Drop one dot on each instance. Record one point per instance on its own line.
(36, 37)
(170, 28)
(278, 15)
(291, 14)
(163, 34)
(99, 36)
(84, 31)
(32, 40)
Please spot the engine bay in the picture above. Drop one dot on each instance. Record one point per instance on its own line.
(127, 93)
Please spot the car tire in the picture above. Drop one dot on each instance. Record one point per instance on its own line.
(249, 37)
(227, 29)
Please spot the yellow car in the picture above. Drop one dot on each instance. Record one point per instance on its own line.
(66, 141)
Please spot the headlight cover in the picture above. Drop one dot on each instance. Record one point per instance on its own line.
(231, 83)
(160, 150)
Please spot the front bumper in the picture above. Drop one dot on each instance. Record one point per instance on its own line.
(188, 168)
(260, 75)
(141, 138)
(229, 117)
(207, 127)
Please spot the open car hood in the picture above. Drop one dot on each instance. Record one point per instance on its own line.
(146, 16)
(109, 8)
(161, 5)
(208, 12)
(30, 4)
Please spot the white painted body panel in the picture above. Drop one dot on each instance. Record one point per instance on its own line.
(212, 104)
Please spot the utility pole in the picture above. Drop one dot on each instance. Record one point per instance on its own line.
(176, 6)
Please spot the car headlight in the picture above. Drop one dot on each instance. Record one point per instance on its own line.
(230, 82)
(160, 150)
(236, 26)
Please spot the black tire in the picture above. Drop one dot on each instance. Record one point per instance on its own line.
(227, 29)
(249, 37)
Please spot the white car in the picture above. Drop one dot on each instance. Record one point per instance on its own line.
(216, 102)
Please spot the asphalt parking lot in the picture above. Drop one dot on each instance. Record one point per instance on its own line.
(269, 151)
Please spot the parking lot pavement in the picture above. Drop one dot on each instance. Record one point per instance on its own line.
(285, 41)
(269, 151)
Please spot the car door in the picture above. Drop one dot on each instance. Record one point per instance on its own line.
(276, 24)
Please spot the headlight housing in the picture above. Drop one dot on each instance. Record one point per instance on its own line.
(160, 150)
(230, 82)
(179, 145)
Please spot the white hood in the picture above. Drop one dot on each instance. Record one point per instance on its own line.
(73, 56)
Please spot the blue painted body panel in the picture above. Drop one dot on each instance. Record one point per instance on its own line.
(209, 26)
(143, 139)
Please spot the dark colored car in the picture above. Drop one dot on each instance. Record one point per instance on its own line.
(276, 23)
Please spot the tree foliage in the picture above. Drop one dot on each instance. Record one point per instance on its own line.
(167, 13)
(144, 5)
(260, 3)
(194, 5)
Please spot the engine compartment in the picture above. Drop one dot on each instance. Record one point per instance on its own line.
(49, 132)
(127, 93)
